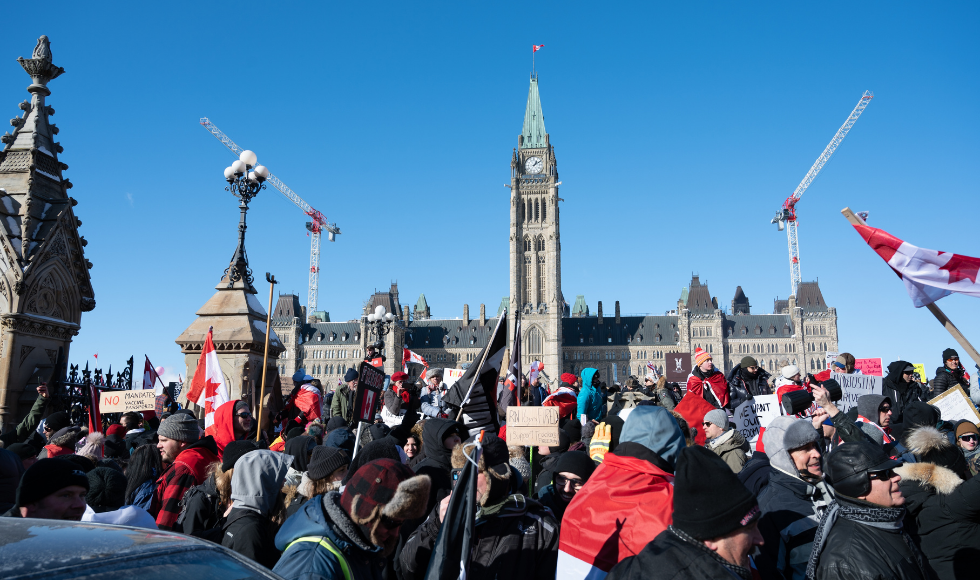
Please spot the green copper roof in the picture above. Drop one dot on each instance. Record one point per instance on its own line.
(684, 295)
(533, 130)
(321, 315)
(580, 308)
(504, 305)
(421, 305)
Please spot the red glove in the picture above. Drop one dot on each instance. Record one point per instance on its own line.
(406, 396)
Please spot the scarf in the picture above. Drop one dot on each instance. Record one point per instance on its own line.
(737, 571)
(864, 513)
(707, 388)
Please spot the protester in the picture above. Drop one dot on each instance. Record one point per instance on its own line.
(337, 536)
(861, 535)
(439, 437)
(301, 448)
(52, 489)
(203, 506)
(413, 448)
(342, 404)
(142, 471)
(62, 442)
(188, 455)
(538, 391)
(549, 457)
(431, 401)
(876, 410)
(724, 440)
(517, 538)
(28, 426)
(627, 501)
(326, 469)
(250, 525)
(661, 392)
(749, 379)
(709, 383)
(795, 498)
(306, 400)
(591, 404)
(901, 385)
(342, 439)
(232, 422)
(712, 533)
(845, 364)
(106, 489)
(967, 438)
(950, 375)
(396, 400)
(26, 452)
(571, 472)
(565, 398)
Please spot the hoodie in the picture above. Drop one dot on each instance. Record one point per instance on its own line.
(223, 429)
(868, 406)
(438, 463)
(255, 487)
(299, 448)
(590, 401)
(901, 392)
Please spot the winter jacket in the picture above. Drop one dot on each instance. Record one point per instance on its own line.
(307, 401)
(143, 495)
(947, 379)
(187, 470)
(314, 540)
(717, 395)
(547, 474)
(900, 392)
(590, 400)
(342, 404)
(438, 463)
(732, 448)
(61, 443)
(223, 428)
(538, 394)
(671, 557)
(549, 498)
(755, 474)
(200, 508)
(858, 551)
(943, 515)
(28, 425)
(255, 489)
(738, 381)
(515, 540)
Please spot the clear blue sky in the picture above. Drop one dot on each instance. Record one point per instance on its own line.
(679, 130)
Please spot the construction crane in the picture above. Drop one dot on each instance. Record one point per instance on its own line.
(315, 227)
(786, 217)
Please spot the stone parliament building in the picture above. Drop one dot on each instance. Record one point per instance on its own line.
(801, 329)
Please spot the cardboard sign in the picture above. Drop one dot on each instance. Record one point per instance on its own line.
(921, 369)
(868, 366)
(370, 382)
(754, 414)
(677, 366)
(855, 386)
(450, 376)
(126, 401)
(532, 426)
(955, 405)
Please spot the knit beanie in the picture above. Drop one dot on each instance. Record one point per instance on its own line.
(233, 452)
(573, 428)
(115, 429)
(336, 423)
(379, 431)
(749, 362)
(433, 373)
(93, 445)
(350, 375)
(717, 417)
(577, 462)
(700, 355)
(180, 427)
(799, 434)
(949, 353)
(294, 432)
(106, 489)
(790, 371)
(962, 428)
(57, 421)
(326, 460)
(568, 378)
(563, 442)
(46, 477)
(115, 446)
(699, 509)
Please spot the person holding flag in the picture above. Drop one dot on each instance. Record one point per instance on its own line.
(208, 388)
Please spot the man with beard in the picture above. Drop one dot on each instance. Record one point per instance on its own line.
(350, 534)
(571, 473)
(749, 379)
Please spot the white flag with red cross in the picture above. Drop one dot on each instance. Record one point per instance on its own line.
(208, 387)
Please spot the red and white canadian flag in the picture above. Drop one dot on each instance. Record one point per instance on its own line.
(536, 47)
(208, 387)
(928, 275)
(412, 357)
(150, 377)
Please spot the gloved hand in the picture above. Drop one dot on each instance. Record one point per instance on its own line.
(406, 396)
(600, 442)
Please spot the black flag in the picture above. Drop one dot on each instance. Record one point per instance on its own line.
(451, 552)
(475, 393)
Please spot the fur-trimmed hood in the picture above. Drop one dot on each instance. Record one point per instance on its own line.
(939, 478)
(925, 440)
(66, 437)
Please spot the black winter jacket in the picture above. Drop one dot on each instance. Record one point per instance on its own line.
(789, 522)
(740, 390)
(944, 517)
(668, 557)
(200, 508)
(947, 379)
(755, 474)
(901, 393)
(251, 535)
(438, 463)
(518, 542)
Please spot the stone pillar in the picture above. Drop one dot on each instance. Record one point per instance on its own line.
(466, 314)
(483, 315)
(599, 311)
(405, 318)
(617, 312)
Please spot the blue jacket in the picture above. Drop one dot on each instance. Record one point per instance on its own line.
(309, 560)
(590, 401)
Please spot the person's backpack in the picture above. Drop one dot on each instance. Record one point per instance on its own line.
(210, 504)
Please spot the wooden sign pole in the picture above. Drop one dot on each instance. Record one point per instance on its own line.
(936, 311)
(265, 356)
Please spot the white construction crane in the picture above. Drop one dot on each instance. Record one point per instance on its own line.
(787, 215)
(318, 224)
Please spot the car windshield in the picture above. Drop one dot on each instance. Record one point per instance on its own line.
(210, 564)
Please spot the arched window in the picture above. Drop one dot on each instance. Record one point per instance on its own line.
(527, 244)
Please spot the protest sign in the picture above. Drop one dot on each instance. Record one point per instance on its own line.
(868, 366)
(831, 357)
(532, 426)
(921, 370)
(955, 406)
(370, 381)
(678, 366)
(450, 376)
(126, 401)
(754, 414)
(855, 386)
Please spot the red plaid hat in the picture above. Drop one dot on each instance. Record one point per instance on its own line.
(568, 378)
(372, 487)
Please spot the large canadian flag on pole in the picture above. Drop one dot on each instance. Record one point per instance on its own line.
(928, 275)
(409, 356)
(208, 388)
(150, 377)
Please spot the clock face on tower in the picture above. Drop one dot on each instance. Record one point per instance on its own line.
(533, 165)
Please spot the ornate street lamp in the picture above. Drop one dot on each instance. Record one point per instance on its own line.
(380, 322)
(245, 180)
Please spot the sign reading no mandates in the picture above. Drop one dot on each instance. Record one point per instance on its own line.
(126, 401)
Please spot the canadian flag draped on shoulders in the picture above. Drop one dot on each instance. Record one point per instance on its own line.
(928, 275)
(208, 387)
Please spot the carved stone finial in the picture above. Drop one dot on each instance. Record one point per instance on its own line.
(43, 49)
(40, 67)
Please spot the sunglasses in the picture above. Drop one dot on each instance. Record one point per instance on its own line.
(970, 437)
(46, 428)
(884, 409)
(245, 415)
(882, 475)
(561, 482)
(953, 358)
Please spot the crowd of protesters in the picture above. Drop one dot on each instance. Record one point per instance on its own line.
(648, 479)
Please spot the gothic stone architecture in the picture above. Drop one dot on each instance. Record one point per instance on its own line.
(44, 278)
(800, 330)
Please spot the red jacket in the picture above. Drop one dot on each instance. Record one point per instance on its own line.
(308, 402)
(693, 408)
(622, 508)
(188, 469)
(719, 387)
(223, 429)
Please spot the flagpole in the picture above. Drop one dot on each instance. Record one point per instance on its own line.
(936, 311)
(265, 357)
(479, 369)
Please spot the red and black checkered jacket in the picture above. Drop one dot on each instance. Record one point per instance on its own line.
(188, 469)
